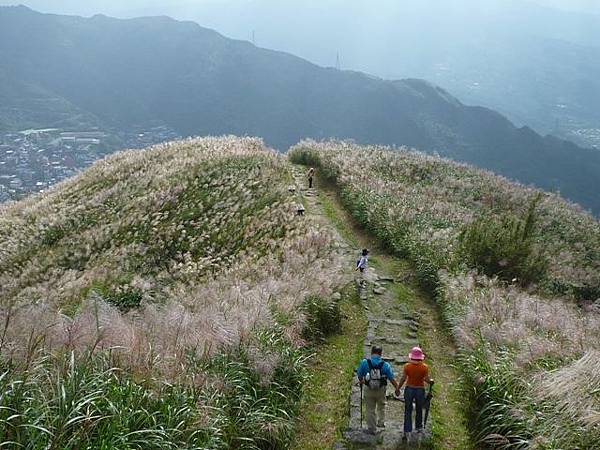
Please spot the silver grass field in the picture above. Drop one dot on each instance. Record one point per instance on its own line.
(515, 271)
(156, 301)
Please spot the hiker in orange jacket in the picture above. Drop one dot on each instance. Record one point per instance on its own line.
(415, 374)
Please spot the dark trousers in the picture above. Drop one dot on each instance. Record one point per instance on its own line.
(310, 182)
(418, 396)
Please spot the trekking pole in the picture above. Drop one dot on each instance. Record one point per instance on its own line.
(428, 402)
(361, 402)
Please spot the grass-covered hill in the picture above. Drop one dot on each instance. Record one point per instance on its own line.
(159, 300)
(516, 272)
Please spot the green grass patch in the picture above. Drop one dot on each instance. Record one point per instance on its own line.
(75, 402)
(333, 214)
(325, 405)
(323, 317)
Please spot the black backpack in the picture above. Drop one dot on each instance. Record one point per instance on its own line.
(375, 379)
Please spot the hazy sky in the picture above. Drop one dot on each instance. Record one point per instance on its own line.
(573, 5)
(132, 7)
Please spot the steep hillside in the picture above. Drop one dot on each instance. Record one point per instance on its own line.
(516, 272)
(162, 293)
(157, 70)
(28, 105)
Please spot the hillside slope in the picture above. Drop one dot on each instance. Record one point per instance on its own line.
(516, 273)
(157, 70)
(162, 294)
(161, 226)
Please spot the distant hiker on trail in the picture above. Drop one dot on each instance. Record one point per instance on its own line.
(416, 374)
(311, 174)
(361, 265)
(374, 373)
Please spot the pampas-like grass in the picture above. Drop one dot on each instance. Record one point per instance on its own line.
(520, 348)
(201, 233)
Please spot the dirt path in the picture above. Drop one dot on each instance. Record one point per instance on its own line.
(399, 317)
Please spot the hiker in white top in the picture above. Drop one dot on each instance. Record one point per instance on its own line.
(362, 264)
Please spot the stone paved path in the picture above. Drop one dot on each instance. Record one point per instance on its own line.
(392, 325)
(395, 328)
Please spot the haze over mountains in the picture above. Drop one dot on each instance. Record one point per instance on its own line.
(537, 65)
(538, 62)
(122, 73)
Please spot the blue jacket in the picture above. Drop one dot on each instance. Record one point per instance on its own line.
(363, 369)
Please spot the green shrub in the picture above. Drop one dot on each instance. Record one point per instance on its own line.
(52, 235)
(87, 403)
(126, 299)
(305, 157)
(427, 263)
(504, 247)
(123, 297)
(323, 317)
(254, 410)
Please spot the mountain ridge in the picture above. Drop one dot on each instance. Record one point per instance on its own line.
(127, 72)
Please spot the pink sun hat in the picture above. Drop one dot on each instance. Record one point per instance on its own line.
(417, 354)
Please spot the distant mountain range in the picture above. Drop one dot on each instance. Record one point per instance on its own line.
(538, 65)
(77, 72)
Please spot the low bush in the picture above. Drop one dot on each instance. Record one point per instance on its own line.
(88, 403)
(323, 317)
(498, 398)
(504, 247)
(123, 297)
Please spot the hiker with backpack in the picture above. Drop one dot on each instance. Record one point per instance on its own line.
(415, 374)
(361, 265)
(311, 174)
(374, 374)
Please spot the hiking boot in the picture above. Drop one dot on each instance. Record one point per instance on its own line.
(381, 425)
(371, 432)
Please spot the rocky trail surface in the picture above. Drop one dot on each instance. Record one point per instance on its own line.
(393, 326)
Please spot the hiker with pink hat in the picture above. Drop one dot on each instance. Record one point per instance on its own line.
(416, 374)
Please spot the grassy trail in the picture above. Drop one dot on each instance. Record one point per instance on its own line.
(325, 414)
